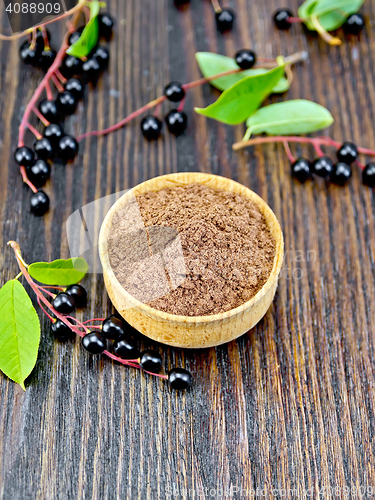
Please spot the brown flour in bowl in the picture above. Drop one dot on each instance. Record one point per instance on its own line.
(220, 239)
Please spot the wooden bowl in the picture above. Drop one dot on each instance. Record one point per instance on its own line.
(191, 331)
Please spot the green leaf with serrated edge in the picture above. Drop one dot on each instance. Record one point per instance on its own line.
(331, 13)
(89, 37)
(212, 64)
(19, 332)
(59, 272)
(295, 117)
(243, 98)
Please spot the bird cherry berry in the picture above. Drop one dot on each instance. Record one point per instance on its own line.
(94, 343)
(105, 25)
(46, 59)
(151, 127)
(75, 87)
(347, 153)
(281, 19)
(113, 328)
(368, 175)
(323, 167)
(64, 303)
(39, 203)
(126, 348)
(28, 54)
(43, 148)
(61, 331)
(49, 110)
(176, 122)
(341, 173)
(40, 42)
(301, 170)
(225, 20)
(79, 295)
(66, 103)
(53, 133)
(179, 379)
(245, 59)
(150, 361)
(91, 69)
(101, 54)
(71, 66)
(354, 24)
(24, 156)
(39, 173)
(67, 148)
(174, 92)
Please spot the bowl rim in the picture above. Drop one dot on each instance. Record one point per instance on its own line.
(179, 179)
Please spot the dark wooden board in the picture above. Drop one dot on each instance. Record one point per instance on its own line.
(288, 406)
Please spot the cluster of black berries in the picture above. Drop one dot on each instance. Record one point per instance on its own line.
(353, 25)
(75, 296)
(55, 144)
(340, 172)
(38, 53)
(225, 18)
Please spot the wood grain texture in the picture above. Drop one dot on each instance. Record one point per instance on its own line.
(290, 405)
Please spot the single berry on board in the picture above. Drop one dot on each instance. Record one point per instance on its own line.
(126, 348)
(281, 19)
(150, 361)
(323, 167)
(245, 59)
(91, 69)
(105, 25)
(301, 169)
(29, 55)
(354, 24)
(66, 103)
(368, 175)
(53, 133)
(101, 54)
(39, 203)
(347, 153)
(68, 148)
(46, 59)
(179, 379)
(49, 110)
(61, 331)
(39, 173)
(75, 87)
(64, 303)
(78, 293)
(341, 173)
(225, 20)
(74, 37)
(71, 66)
(151, 127)
(43, 148)
(174, 92)
(24, 156)
(176, 122)
(113, 328)
(94, 343)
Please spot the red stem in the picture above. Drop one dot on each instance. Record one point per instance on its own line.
(57, 83)
(288, 152)
(45, 291)
(295, 20)
(41, 117)
(60, 76)
(26, 180)
(45, 312)
(48, 90)
(94, 319)
(34, 131)
(181, 105)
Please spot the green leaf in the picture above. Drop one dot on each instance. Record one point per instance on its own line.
(294, 117)
(19, 332)
(331, 13)
(89, 37)
(212, 64)
(243, 98)
(59, 272)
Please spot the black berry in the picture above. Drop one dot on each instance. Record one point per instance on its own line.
(40, 42)
(94, 343)
(176, 122)
(301, 170)
(347, 153)
(74, 37)
(39, 203)
(368, 175)
(53, 133)
(43, 148)
(101, 54)
(151, 127)
(71, 66)
(323, 167)
(179, 379)
(66, 103)
(281, 19)
(105, 25)
(341, 173)
(64, 303)
(245, 59)
(49, 110)
(75, 87)
(225, 20)
(126, 348)
(113, 328)
(24, 156)
(46, 59)
(39, 173)
(181, 3)
(174, 92)
(61, 331)
(91, 69)
(150, 361)
(68, 148)
(354, 24)
(29, 55)
(79, 295)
